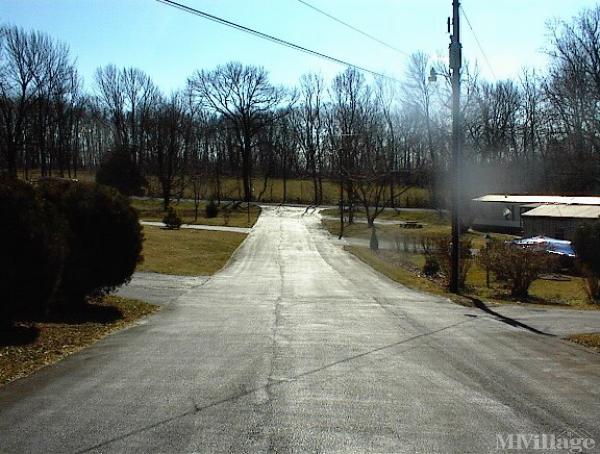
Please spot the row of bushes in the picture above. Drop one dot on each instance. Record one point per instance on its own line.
(519, 267)
(61, 242)
(172, 219)
(513, 266)
(516, 266)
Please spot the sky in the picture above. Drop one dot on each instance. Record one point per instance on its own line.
(170, 45)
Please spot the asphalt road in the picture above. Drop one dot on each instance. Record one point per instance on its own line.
(298, 347)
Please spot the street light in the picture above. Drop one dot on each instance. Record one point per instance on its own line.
(455, 54)
(433, 75)
(455, 64)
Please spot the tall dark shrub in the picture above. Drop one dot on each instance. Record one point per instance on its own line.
(212, 210)
(104, 238)
(32, 251)
(172, 220)
(120, 172)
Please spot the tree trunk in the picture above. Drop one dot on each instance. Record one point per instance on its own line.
(247, 167)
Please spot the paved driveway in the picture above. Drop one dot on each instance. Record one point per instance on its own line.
(298, 347)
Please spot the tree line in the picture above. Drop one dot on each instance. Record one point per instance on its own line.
(537, 132)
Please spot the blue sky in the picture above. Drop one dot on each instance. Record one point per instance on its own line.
(169, 44)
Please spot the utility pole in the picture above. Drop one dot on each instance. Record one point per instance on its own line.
(455, 64)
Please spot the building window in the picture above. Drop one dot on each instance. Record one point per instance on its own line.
(508, 213)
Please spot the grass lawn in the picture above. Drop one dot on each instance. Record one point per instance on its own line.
(397, 269)
(152, 210)
(187, 252)
(297, 191)
(29, 346)
(405, 266)
(81, 175)
(434, 224)
(429, 217)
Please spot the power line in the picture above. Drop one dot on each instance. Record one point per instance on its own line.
(271, 38)
(352, 27)
(485, 57)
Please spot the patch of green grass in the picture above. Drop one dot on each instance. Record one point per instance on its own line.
(187, 252)
(152, 210)
(28, 346)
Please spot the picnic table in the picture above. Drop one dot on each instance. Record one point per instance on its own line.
(411, 225)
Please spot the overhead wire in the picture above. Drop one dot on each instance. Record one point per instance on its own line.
(352, 27)
(485, 57)
(272, 38)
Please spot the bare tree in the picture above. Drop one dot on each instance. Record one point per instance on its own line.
(309, 128)
(21, 60)
(572, 88)
(128, 97)
(244, 96)
(350, 94)
(167, 143)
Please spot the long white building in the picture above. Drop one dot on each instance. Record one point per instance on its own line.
(504, 213)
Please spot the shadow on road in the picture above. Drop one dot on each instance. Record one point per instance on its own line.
(272, 384)
(510, 321)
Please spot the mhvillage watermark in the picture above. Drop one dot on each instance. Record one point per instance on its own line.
(570, 440)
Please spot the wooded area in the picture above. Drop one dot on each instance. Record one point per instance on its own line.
(539, 132)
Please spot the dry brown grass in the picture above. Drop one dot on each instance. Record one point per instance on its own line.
(187, 252)
(591, 340)
(28, 346)
(405, 267)
(152, 210)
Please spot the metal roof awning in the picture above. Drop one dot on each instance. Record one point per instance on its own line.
(546, 199)
(565, 211)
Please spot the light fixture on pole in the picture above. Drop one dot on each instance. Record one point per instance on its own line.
(455, 65)
(455, 51)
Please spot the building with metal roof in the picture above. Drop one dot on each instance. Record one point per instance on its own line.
(559, 221)
(565, 211)
(505, 213)
(545, 199)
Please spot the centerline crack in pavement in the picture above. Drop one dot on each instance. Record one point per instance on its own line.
(297, 346)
